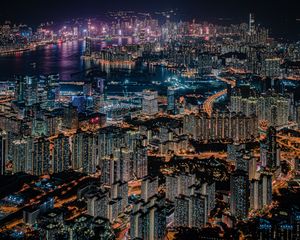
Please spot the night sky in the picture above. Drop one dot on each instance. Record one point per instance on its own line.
(279, 15)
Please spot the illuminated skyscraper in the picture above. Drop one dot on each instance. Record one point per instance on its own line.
(148, 222)
(136, 224)
(97, 204)
(3, 151)
(27, 90)
(140, 163)
(125, 157)
(246, 162)
(85, 154)
(185, 181)
(150, 104)
(113, 209)
(198, 214)
(208, 189)
(119, 191)
(220, 125)
(179, 184)
(149, 188)
(233, 151)
(171, 100)
(70, 120)
(171, 187)
(275, 108)
(251, 24)
(204, 63)
(110, 170)
(41, 157)
(271, 67)
(61, 157)
(190, 211)
(254, 191)
(239, 194)
(273, 150)
(155, 224)
(266, 189)
(88, 41)
(261, 191)
(22, 155)
(182, 211)
(49, 84)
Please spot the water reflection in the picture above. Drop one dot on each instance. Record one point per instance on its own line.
(65, 59)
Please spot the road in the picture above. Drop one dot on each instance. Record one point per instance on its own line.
(282, 180)
(61, 191)
(208, 104)
(289, 142)
(5, 100)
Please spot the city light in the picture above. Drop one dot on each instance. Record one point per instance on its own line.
(149, 125)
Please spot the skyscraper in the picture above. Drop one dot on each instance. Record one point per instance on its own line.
(261, 191)
(22, 155)
(97, 204)
(185, 181)
(266, 188)
(179, 184)
(251, 24)
(271, 67)
(191, 211)
(246, 162)
(3, 151)
(209, 189)
(61, 156)
(27, 90)
(149, 188)
(198, 213)
(149, 103)
(119, 191)
(273, 151)
(41, 156)
(182, 211)
(85, 153)
(110, 170)
(140, 163)
(171, 100)
(70, 120)
(148, 223)
(125, 157)
(171, 187)
(239, 194)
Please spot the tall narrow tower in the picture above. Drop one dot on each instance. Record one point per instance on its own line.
(3, 151)
(88, 41)
(251, 23)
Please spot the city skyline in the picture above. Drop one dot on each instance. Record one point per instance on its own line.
(167, 124)
(232, 10)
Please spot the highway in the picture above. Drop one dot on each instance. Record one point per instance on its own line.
(289, 142)
(227, 80)
(208, 104)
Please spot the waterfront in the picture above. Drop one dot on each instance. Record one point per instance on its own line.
(65, 59)
(55, 58)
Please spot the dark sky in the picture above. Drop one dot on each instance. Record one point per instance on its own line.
(279, 14)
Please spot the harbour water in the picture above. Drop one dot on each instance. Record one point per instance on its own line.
(65, 59)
